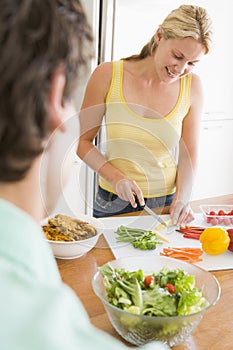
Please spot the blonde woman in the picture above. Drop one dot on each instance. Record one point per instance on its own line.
(152, 104)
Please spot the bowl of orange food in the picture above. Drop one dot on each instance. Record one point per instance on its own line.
(71, 237)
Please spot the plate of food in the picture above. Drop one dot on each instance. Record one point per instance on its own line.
(71, 236)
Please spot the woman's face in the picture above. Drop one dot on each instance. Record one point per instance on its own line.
(175, 58)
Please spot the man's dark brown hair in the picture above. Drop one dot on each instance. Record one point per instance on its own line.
(36, 37)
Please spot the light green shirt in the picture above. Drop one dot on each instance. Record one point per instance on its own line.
(37, 310)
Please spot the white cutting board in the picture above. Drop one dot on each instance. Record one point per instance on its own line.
(210, 262)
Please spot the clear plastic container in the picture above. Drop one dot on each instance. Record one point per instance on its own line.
(218, 214)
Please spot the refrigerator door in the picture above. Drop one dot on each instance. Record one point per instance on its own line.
(85, 179)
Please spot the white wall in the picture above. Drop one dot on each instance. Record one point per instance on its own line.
(137, 20)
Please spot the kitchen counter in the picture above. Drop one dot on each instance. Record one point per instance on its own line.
(214, 330)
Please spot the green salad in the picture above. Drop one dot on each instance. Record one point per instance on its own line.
(164, 293)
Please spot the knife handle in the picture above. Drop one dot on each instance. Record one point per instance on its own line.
(138, 204)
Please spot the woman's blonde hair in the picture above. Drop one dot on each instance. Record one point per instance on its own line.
(185, 21)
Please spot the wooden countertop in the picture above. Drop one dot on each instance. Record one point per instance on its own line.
(215, 329)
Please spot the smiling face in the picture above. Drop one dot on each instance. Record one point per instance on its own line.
(175, 58)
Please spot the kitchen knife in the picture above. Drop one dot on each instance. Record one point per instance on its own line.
(157, 217)
(149, 211)
(152, 213)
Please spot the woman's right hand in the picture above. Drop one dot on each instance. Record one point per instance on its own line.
(128, 190)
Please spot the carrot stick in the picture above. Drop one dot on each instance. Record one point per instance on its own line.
(186, 253)
(190, 251)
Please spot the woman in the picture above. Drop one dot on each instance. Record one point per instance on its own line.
(152, 105)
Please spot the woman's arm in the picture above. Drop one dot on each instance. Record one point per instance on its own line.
(188, 156)
(91, 116)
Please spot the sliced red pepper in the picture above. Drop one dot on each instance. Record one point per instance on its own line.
(185, 235)
(199, 228)
(191, 229)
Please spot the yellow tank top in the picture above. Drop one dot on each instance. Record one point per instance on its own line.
(143, 149)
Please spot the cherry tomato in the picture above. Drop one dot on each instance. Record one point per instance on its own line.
(220, 220)
(227, 221)
(231, 212)
(221, 212)
(214, 221)
(212, 212)
(149, 280)
(170, 287)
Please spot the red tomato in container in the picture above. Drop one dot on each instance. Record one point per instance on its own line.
(227, 221)
(214, 221)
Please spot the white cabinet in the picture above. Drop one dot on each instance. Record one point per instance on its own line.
(215, 169)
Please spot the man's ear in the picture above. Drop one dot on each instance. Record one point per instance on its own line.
(57, 109)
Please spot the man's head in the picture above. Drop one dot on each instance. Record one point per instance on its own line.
(42, 43)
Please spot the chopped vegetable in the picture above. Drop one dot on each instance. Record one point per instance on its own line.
(214, 240)
(139, 238)
(162, 237)
(149, 281)
(168, 223)
(170, 287)
(190, 255)
(230, 233)
(193, 232)
(174, 292)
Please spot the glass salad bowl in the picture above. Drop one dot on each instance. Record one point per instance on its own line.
(159, 320)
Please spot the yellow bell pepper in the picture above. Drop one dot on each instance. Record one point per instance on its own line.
(214, 240)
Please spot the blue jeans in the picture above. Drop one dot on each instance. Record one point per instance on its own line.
(108, 204)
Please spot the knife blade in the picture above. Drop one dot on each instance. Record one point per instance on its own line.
(152, 213)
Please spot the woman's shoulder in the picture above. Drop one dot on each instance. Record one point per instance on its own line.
(196, 89)
(102, 75)
(195, 79)
(195, 82)
(99, 84)
(104, 68)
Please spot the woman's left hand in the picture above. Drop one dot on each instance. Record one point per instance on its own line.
(181, 212)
